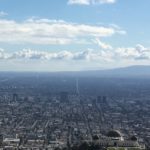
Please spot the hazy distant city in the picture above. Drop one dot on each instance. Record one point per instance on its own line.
(74, 74)
(69, 111)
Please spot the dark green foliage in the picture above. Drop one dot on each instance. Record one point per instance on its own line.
(86, 146)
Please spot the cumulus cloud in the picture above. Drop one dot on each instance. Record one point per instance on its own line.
(27, 54)
(3, 54)
(89, 2)
(139, 52)
(101, 44)
(2, 14)
(62, 55)
(44, 31)
(81, 2)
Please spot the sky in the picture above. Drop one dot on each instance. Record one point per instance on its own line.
(73, 35)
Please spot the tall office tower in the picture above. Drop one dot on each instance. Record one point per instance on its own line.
(104, 99)
(15, 97)
(77, 86)
(1, 139)
(99, 99)
(94, 101)
(64, 97)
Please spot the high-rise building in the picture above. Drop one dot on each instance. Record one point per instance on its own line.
(15, 97)
(77, 87)
(102, 99)
(99, 98)
(1, 139)
(64, 97)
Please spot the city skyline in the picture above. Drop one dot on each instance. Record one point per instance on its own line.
(70, 35)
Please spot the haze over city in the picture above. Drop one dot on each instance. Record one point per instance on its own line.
(74, 75)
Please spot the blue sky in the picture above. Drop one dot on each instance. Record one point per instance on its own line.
(59, 35)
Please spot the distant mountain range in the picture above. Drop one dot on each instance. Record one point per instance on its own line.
(131, 71)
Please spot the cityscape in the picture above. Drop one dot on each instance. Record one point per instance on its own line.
(44, 111)
(74, 75)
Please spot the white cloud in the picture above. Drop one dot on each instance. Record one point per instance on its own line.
(62, 55)
(27, 54)
(89, 2)
(135, 53)
(81, 2)
(45, 31)
(138, 52)
(2, 14)
(102, 45)
(3, 54)
(28, 59)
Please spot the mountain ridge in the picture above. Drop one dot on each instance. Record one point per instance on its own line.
(129, 71)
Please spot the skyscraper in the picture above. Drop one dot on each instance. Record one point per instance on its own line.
(15, 97)
(77, 87)
(64, 97)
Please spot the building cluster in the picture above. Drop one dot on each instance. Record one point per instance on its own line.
(64, 120)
